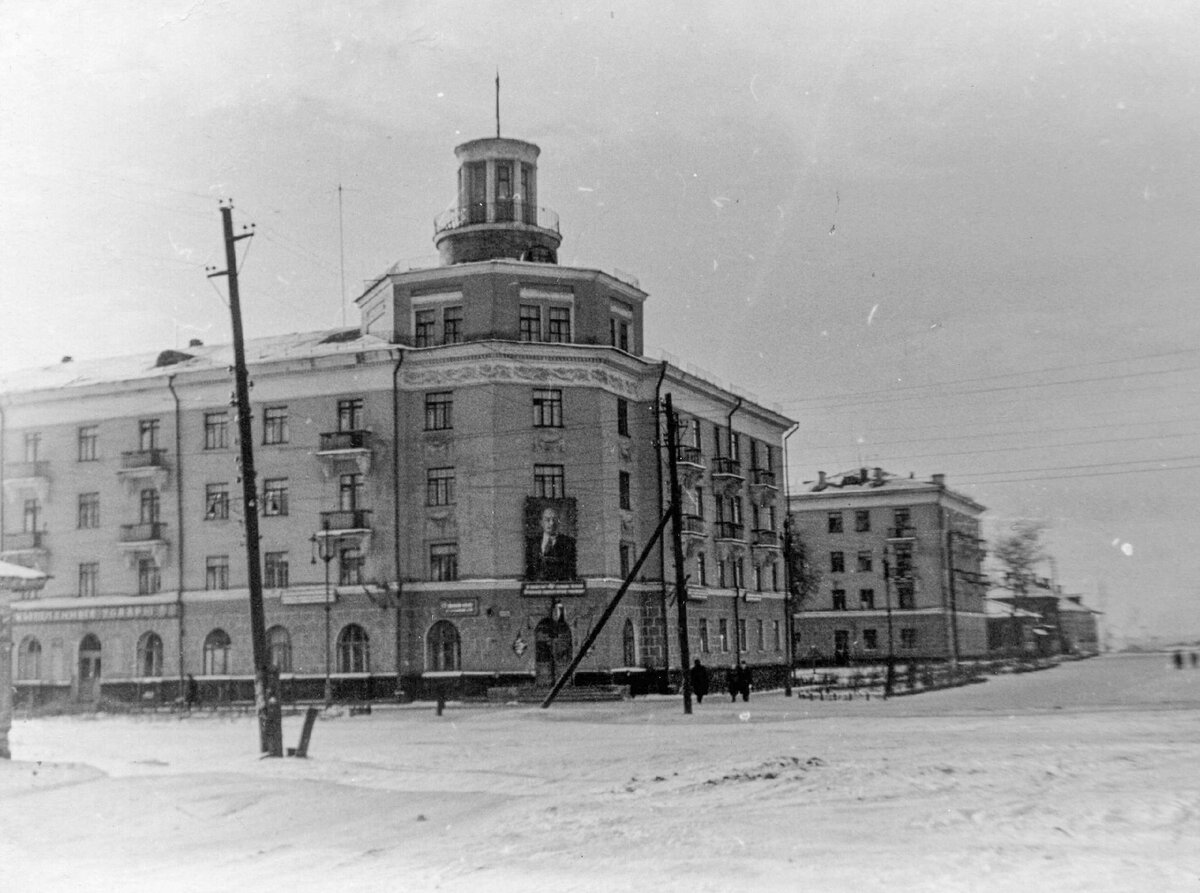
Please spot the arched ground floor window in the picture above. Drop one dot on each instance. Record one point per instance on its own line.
(353, 650)
(443, 647)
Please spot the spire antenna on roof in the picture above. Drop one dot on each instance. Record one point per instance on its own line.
(497, 103)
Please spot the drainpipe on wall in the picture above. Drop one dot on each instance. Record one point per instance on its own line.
(178, 519)
(662, 552)
(396, 502)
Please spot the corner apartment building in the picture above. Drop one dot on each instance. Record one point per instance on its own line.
(900, 563)
(450, 493)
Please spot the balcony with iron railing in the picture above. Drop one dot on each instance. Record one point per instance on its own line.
(344, 441)
(765, 539)
(144, 532)
(505, 212)
(24, 541)
(723, 466)
(694, 525)
(344, 522)
(730, 530)
(902, 533)
(134, 460)
(21, 471)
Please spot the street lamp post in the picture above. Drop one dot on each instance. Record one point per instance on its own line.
(325, 548)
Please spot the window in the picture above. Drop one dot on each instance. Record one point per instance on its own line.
(739, 573)
(89, 511)
(275, 567)
(761, 635)
(30, 516)
(279, 649)
(776, 639)
(629, 644)
(89, 437)
(696, 434)
(531, 322)
(443, 562)
(216, 502)
(548, 481)
(742, 640)
(774, 576)
(149, 656)
(275, 496)
(350, 415)
(452, 318)
(350, 566)
(699, 502)
(216, 572)
(623, 336)
(902, 519)
(837, 563)
(216, 653)
(905, 596)
(149, 577)
(438, 411)
(622, 416)
(439, 486)
(866, 599)
(704, 643)
(862, 521)
(275, 425)
(354, 650)
(89, 579)
(351, 488)
(758, 578)
(834, 522)
(626, 556)
(870, 639)
(735, 446)
(701, 569)
(443, 648)
(216, 430)
(908, 637)
(864, 562)
(723, 633)
(547, 408)
(29, 659)
(150, 506)
(904, 561)
(148, 434)
(558, 324)
(721, 565)
(424, 328)
(839, 599)
(623, 490)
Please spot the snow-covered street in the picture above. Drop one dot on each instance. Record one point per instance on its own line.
(1082, 777)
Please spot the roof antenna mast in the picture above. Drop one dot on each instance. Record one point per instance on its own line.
(497, 103)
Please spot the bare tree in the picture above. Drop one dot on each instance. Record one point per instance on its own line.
(1019, 552)
(804, 577)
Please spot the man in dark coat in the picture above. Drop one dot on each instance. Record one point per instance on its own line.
(744, 681)
(551, 556)
(699, 677)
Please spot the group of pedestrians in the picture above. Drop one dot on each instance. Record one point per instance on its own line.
(738, 681)
(1178, 658)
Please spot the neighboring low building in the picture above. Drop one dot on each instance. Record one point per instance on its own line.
(900, 562)
(1063, 625)
(450, 494)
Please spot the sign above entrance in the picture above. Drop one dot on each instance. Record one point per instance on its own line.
(460, 607)
(554, 590)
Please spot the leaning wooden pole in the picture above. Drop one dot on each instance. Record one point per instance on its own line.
(612, 606)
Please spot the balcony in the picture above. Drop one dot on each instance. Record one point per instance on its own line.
(27, 546)
(27, 479)
(144, 465)
(763, 488)
(347, 524)
(766, 539)
(689, 463)
(727, 475)
(729, 530)
(694, 533)
(145, 538)
(902, 533)
(353, 446)
(505, 212)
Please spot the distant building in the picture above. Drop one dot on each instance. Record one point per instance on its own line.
(901, 567)
(450, 493)
(1063, 623)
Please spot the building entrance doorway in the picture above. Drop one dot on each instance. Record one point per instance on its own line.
(89, 668)
(552, 650)
(841, 647)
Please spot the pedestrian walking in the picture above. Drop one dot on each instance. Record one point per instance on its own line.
(744, 682)
(735, 681)
(699, 678)
(192, 692)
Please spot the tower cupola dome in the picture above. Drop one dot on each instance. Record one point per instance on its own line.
(497, 214)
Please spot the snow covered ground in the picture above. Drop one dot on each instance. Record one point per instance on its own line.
(1082, 777)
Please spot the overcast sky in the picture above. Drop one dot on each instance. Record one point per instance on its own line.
(944, 237)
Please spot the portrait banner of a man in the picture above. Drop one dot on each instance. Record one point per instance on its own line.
(550, 540)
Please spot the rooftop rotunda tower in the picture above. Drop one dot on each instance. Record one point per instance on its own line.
(497, 215)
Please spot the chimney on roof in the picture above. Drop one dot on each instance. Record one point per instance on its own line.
(68, 359)
(195, 342)
(821, 484)
(862, 476)
(940, 480)
(878, 475)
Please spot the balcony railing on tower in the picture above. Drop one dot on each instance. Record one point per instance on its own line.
(505, 211)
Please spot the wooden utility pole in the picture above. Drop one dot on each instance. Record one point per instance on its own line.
(266, 682)
(677, 545)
